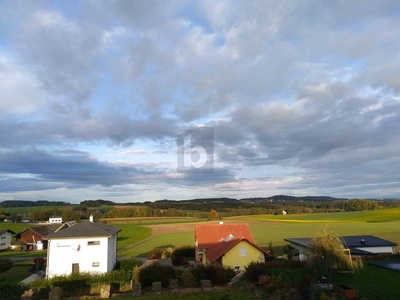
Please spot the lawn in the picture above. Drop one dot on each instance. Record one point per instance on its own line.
(19, 271)
(372, 282)
(160, 241)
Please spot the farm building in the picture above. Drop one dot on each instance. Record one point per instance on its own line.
(55, 220)
(358, 245)
(5, 238)
(227, 245)
(33, 236)
(83, 247)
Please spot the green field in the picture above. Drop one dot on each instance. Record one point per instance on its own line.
(27, 209)
(265, 228)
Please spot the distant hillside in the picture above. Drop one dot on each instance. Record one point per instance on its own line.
(294, 198)
(26, 203)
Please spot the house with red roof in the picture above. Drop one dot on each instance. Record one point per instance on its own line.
(227, 245)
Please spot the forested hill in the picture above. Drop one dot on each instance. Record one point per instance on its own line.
(26, 203)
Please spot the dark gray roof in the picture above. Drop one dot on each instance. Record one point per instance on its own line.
(350, 241)
(366, 241)
(5, 230)
(41, 230)
(84, 229)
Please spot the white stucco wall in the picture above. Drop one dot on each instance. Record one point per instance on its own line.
(377, 250)
(63, 253)
(5, 240)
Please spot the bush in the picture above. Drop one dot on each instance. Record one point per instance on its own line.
(184, 251)
(5, 264)
(216, 274)
(180, 261)
(186, 279)
(127, 264)
(76, 284)
(155, 272)
(155, 253)
(254, 270)
(10, 290)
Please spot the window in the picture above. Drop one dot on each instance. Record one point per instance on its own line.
(236, 268)
(243, 251)
(3, 237)
(93, 243)
(96, 264)
(3, 244)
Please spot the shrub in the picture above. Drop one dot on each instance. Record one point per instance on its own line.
(155, 272)
(180, 261)
(186, 279)
(155, 253)
(224, 275)
(128, 264)
(75, 284)
(11, 290)
(254, 270)
(184, 251)
(5, 264)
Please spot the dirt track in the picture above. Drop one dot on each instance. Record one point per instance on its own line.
(188, 227)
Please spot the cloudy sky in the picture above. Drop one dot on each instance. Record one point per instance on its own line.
(301, 98)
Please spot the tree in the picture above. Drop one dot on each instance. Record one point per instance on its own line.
(5, 264)
(327, 255)
(213, 214)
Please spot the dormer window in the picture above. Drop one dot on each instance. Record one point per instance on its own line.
(229, 238)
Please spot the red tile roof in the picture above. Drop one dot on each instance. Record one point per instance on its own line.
(219, 238)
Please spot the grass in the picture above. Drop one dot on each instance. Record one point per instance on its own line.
(161, 241)
(24, 210)
(19, 271)
(21, 254)
(382, 215)
(131, 233)
(372, 282)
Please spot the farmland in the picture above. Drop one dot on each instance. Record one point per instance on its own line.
(140, 235)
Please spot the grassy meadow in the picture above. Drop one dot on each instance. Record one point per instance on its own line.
(137, 237)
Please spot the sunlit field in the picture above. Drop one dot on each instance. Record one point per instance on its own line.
(137, 237)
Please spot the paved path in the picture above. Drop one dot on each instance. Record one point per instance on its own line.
(30, 278)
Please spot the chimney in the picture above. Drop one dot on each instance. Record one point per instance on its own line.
(91, 218)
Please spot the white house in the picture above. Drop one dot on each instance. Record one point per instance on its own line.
(85, 247)
(55, 220)
(358, 245)
(5, 238)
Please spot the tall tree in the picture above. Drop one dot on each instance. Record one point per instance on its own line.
(327, 255)
(213, 214)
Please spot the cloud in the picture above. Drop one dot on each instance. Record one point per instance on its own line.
(303, 96)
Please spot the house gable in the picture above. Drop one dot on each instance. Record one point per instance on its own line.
(242, 254)
(215, 241)
(85, 247)
(5, 238)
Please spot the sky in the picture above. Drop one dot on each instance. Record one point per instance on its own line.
(103, 99)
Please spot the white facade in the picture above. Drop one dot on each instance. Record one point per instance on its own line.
(55, 220)
(89, 254)
(5, 240)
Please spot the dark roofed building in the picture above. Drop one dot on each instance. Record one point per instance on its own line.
(358, 245)
(82, 247)
(33, 236)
